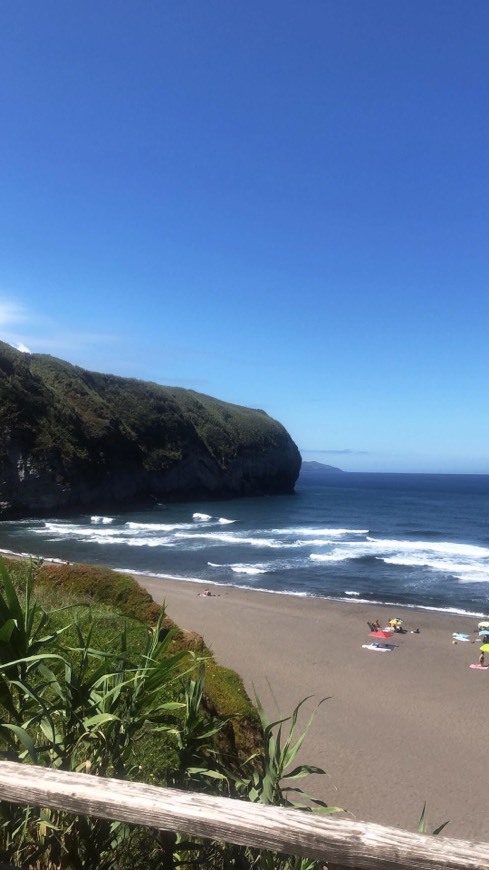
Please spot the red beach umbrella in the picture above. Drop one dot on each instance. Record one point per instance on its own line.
(383, 634)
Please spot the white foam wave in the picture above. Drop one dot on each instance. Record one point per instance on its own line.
(473, 576)
(332, 557)
(238, 568)
(459, 560)
(247, 569)
(158, 527)
(445, 565)
(132, 542)
(95, 534)
(443, 547)
(66, 530)
(351, 592)
(230, 538)
(320, 532)
(312, 542)
(466, 563)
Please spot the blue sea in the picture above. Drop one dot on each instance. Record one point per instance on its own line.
(404, 539)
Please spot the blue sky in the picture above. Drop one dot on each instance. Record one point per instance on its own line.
(281, 204)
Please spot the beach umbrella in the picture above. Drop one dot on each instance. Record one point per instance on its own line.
(484, 647)
(483, 624)
(383, 634)
(395, 621)
(484, 631)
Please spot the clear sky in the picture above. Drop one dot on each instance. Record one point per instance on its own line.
(281, 204)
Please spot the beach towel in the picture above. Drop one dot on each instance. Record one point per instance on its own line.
(379, 647)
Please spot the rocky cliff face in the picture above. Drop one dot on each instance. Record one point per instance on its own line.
(72, 439)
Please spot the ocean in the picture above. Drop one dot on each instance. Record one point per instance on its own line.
(408, 540)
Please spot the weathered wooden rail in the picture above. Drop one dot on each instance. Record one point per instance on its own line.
(340, 843)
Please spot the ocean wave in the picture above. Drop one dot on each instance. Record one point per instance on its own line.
(207, 518)
(425, 561)
(230, 538)
(158, 527)
(131, 542)
(311, 542)
(246, 568)
(450, 548)
(103, 536)
(325, 543)
(320, 532)
(66, 530)
(447, 557)
(336, 556)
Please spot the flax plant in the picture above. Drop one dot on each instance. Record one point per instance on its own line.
(69, 703)
(269, 782)
(76, 708)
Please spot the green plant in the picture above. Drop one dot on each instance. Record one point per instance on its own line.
(423, 824)
(92, 695)
(270, 782)
(199, 758)
(77, 708)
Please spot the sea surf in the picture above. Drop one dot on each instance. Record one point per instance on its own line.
(401, 539)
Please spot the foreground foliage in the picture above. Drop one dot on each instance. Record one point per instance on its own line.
(82, 689)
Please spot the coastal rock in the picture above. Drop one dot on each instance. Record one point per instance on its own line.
(73, 439)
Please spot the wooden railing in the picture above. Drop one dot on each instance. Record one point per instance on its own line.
(340, 843)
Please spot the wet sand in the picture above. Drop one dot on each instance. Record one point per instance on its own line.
(399, 728)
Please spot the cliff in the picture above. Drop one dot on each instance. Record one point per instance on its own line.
(73, 439)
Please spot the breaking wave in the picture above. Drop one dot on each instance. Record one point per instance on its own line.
(352, 542)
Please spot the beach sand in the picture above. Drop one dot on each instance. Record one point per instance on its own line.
(399, 728)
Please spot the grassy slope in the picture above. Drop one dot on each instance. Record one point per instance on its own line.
(114, 597)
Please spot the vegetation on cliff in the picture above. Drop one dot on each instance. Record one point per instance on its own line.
(87, 437)
(85, 687)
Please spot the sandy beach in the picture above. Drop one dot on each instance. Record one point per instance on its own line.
(399, 728)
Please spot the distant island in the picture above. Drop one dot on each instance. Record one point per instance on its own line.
(315, 468)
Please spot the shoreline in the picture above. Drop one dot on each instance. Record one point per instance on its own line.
(134, 572)
(411, 608)
(399, 728)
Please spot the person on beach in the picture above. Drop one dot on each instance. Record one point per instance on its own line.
(481, 660)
